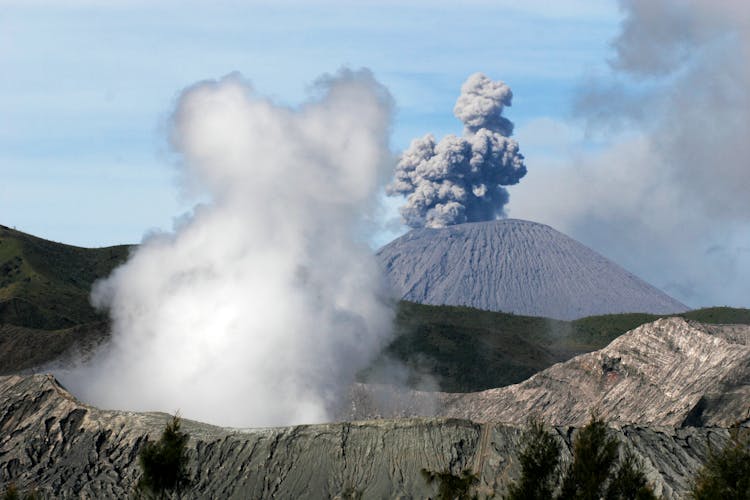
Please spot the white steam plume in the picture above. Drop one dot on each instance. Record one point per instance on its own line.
(263, 304)
(461, 179)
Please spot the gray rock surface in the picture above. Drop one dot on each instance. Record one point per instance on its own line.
(515, 266)
(667, 373)
(51, 442)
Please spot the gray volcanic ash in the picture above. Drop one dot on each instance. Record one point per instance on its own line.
(515, 266)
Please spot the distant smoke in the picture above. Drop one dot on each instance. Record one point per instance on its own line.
(461, 179)
(264, 303)
(695, 54)
(668, 198)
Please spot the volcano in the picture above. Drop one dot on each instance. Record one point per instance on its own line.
(515, 266)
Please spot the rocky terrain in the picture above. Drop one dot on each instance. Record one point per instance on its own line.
(667, 373)
(515, 266)
(62, 448)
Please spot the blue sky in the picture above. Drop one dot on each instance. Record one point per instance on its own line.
(87, 87)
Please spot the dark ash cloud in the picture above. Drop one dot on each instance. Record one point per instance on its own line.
(461, 179)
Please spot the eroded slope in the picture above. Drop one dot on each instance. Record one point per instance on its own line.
(64, 449)
(515, 266)
(670, 372)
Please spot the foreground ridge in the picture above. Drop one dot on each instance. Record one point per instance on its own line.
(65, 449)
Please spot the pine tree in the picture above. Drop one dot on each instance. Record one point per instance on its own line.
(539, 459)
(594, 456)
(592, 474)
(629, 481)
(726, 474)
(164, 463)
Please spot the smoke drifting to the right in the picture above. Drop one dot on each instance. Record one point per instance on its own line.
(668, 196)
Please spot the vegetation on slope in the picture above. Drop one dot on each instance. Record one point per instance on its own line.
(25, 348)
(44, 298)
(46, 285)
(471, 350)
(468, 349)
(598, 469)
(726, 474)
(164, 463)
(598, 329)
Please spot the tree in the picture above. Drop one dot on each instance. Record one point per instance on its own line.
(594, 455)
(164, 463)
(540, 461)
(452, 486)
(593, 474)
(629, 481)
(726, 474)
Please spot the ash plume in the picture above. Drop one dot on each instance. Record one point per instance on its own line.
(461, 179)
(668, 195)
(263, 304)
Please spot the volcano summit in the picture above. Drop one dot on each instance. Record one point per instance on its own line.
(515, 266)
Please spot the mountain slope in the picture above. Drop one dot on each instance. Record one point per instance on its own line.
(46, 285)
(663, 373)
(26, 349)
(515, 266)
(670, 372)
(469, 350)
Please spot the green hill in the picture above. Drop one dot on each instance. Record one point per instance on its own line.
(471, 350)
(45, 309)
(25, 348)
(46, 285)
(44, 297)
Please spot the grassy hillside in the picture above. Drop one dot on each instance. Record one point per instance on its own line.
(46, 285)
(469, 350)
(25, 348)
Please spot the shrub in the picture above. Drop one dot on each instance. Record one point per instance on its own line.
(629, 481)
(594, 455)
(164, 463)
(11, 493)
(726, 474)
(451, 486)
(540, 461)
(592, 475)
